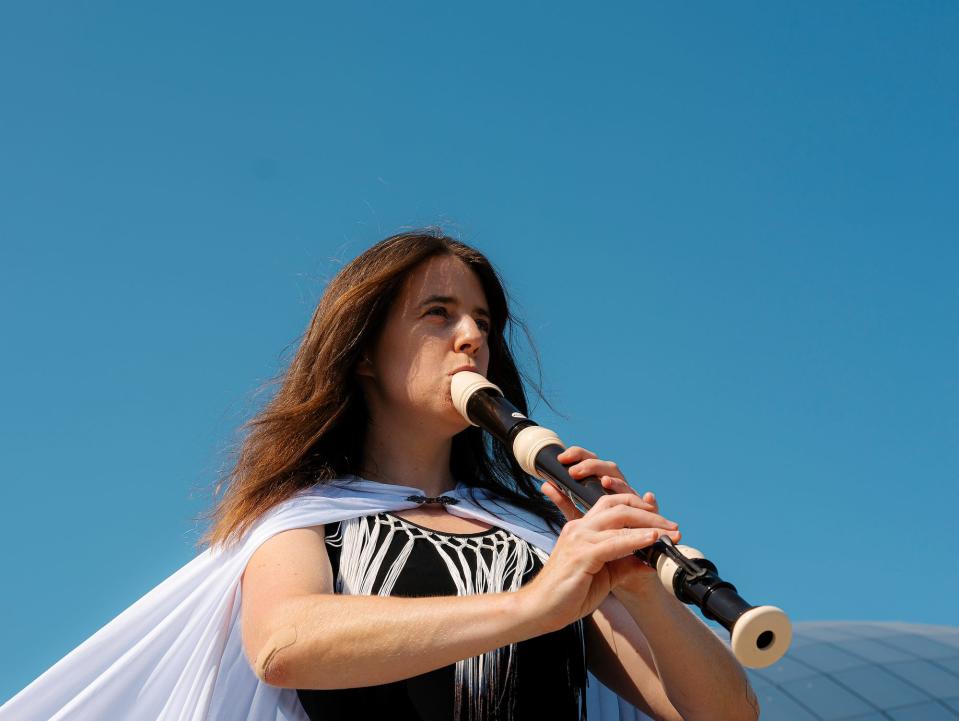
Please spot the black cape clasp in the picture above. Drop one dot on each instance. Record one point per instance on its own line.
(426, 500)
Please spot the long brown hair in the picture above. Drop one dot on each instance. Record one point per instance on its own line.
(313, 429)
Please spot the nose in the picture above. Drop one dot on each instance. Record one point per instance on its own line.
(468, 337)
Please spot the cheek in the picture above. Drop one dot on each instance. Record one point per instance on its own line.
(482, 360)
(421, 376)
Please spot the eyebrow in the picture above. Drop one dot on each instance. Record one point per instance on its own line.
(479, 310)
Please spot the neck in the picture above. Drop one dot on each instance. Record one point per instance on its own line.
(406, 455)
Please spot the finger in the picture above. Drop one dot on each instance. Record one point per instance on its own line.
(650, 498)
(595, 467)
(623, 542)
(561, 500)
(625, 511)
(630, 498)
(619, 485)
(574, 454)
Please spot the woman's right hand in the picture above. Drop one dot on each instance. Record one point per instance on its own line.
(575, 579)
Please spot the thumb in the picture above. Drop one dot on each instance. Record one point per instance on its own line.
(561, 500)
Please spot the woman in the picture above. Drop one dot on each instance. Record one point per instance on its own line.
(458, 591)
(368, 397)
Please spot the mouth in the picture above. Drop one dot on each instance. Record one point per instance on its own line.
(474, 369)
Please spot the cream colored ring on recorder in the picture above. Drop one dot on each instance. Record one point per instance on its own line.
(754, 624)
(462, 387)
(530, 441)
(667, 567)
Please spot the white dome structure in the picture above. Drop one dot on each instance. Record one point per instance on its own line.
(858, 671)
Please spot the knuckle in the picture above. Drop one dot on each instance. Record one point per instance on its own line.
(624, 514)
(604, 503)
(619, 500)
(571, 528)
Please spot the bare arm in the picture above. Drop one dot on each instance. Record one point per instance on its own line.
(298, 634)
(701, 677)
(619, 656)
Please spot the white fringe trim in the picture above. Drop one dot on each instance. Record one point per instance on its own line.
(365, 541)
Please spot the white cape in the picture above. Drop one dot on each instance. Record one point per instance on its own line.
(176, 653)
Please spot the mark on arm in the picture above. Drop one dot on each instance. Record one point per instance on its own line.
(266, 661)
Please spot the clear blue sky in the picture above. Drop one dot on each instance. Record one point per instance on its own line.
(731, 228)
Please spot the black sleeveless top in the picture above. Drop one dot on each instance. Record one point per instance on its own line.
(383, 554)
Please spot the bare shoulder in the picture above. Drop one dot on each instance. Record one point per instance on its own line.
(289, 564)
(292, 561)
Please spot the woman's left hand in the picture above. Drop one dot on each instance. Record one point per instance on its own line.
(627, 571)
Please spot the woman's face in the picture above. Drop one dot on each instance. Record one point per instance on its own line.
(439, 322)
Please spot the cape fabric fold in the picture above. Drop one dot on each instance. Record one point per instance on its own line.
(176, 654)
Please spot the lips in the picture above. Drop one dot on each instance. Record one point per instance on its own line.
(474, 369)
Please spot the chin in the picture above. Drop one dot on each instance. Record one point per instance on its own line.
(456, 418)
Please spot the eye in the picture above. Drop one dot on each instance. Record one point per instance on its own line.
(481, 323)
